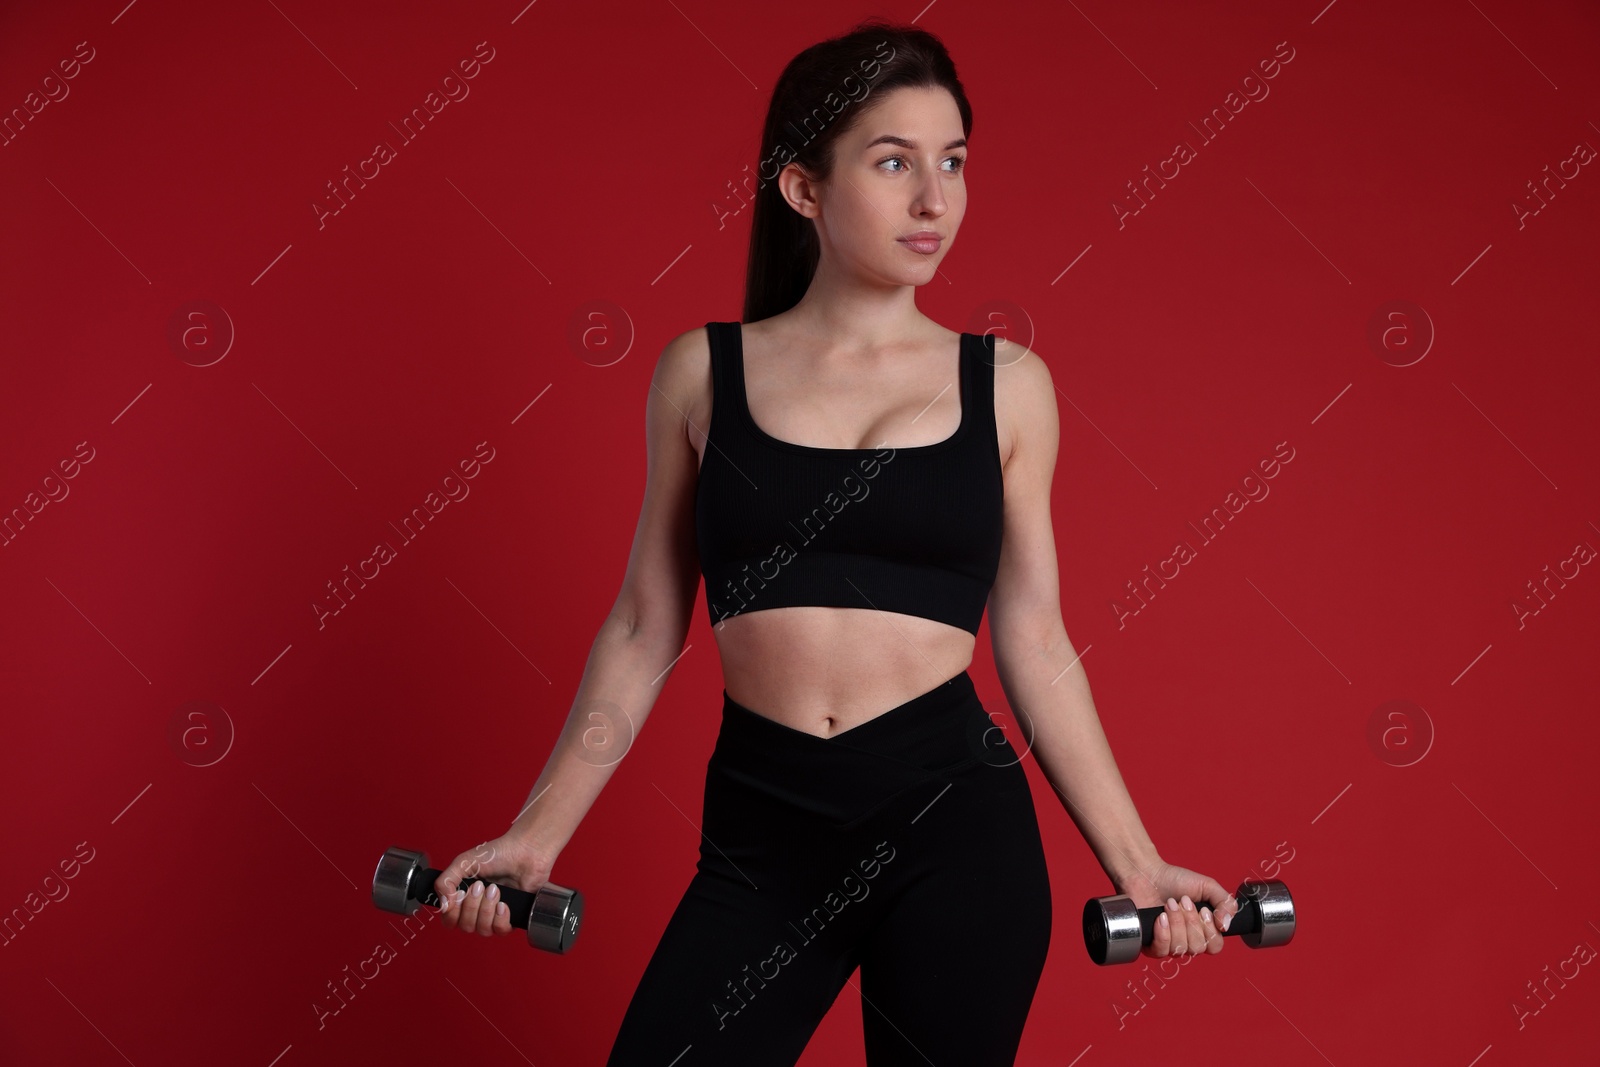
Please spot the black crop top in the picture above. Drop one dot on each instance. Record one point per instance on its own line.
(913, 530)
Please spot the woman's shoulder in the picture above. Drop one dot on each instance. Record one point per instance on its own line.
(683, 374)
(686, 357)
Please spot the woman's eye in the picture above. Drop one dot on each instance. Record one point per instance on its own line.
(959, 161)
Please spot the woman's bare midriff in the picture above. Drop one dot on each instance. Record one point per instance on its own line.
(825, 670)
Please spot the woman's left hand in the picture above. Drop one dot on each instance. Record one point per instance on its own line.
(1191, 926)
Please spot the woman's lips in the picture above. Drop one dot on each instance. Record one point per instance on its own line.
(926, 245)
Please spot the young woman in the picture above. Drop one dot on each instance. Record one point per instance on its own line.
(856, 483)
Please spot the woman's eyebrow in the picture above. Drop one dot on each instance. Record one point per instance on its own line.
(889, 138)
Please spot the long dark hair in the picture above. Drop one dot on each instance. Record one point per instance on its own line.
(823, 93)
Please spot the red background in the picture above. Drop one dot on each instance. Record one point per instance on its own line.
(590, 166)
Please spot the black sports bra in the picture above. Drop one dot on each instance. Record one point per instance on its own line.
(912, 530)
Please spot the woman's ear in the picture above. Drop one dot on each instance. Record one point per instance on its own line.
(800, 190)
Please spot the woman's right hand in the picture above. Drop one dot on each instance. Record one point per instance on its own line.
(479, 909)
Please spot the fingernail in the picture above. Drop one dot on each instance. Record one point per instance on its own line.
(503, 909)
(494, 891)
(1205, 913)
(1226, 919)
(477, 889)
(1188, 905)
(461, 894)
(1172, 905)
(1162, 919)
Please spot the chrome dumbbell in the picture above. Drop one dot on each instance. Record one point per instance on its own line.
(1115, 931)
(403, 882)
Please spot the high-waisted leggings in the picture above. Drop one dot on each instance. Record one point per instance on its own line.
(906, 846)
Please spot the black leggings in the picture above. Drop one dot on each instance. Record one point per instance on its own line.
(906, 846)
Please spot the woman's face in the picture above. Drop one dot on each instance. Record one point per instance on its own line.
(897, 174)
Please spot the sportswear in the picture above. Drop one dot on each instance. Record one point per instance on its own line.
(913, 530)
(906, 847)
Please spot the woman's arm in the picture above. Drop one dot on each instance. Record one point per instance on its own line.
(621, 680)
(1076, 758)
(1038, 667)
(628, 663)
(643, 635)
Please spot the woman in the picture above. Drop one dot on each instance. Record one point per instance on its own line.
(860, 808)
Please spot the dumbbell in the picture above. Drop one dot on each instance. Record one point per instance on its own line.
(403, 882)
(1115, 931)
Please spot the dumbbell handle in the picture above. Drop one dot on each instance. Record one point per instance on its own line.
(1245, 921)
(518, 902)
